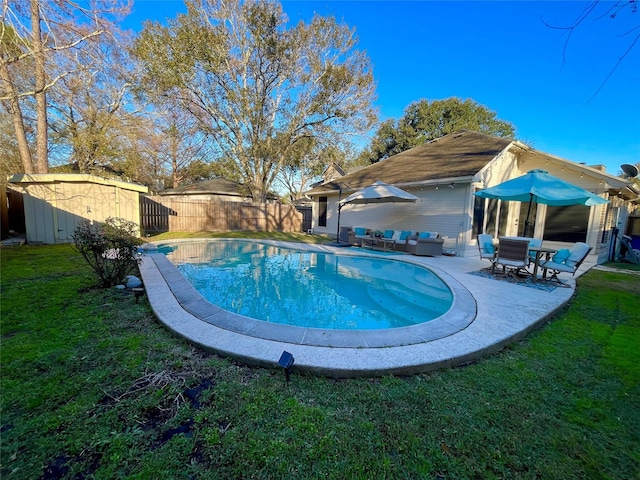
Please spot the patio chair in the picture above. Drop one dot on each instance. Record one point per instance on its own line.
(512, 256)
(360, 234)
(567, 261)
(486, 248)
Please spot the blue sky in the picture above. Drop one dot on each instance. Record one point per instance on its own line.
(502, 55)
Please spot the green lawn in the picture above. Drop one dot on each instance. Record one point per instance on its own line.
(93, 387)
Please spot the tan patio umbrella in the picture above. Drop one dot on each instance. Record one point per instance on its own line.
(378, 192)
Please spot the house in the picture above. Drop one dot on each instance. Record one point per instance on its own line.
(55, 203)
(216, 189)
(445, 173)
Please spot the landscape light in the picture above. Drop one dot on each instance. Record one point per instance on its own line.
(286, 360)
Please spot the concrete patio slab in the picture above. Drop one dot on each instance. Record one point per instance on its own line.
(490, 314)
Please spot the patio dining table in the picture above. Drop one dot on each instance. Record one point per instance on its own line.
(540, 252)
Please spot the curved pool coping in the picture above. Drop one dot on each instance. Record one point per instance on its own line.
(502, 313)
(461, 313)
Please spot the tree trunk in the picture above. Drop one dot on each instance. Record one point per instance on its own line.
(42, 150)
(18, 120)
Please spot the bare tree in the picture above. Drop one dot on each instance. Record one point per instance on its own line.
(256, 87)
(612, 11)
(181, 143)
(309, 160)
(94, 113)
(32, 35)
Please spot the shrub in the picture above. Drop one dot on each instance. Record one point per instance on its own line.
(110, 248)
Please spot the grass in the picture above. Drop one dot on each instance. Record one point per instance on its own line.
(93, 387)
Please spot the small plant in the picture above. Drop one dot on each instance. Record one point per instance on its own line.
(110, 248)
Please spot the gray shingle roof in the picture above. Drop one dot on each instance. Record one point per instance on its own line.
(220, 186)
(460, 154)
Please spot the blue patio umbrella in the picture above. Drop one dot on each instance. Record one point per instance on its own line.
(541, 187)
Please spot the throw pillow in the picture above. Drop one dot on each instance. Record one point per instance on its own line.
(388, 234)
(361, 231)
(424, 235)
(561, 256)
(404, 234)
(489, 248)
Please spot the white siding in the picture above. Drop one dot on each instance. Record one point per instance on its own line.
(450, 211)
(441, 210)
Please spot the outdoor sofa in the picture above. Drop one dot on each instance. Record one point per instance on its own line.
(400, 237)
(420, 243)
(425, 244)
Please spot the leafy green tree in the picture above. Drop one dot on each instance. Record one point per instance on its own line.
(257, 87)
(424, 121)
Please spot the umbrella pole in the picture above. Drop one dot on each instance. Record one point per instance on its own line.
(339, 210)
(526, 222)
(338, 231)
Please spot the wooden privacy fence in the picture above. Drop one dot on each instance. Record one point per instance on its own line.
(162, 214)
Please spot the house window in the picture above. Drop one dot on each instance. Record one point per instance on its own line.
(322, 211)
(478, 216)
(492, 219)
(566, 224)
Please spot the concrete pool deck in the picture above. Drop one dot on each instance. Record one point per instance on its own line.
(501, 313)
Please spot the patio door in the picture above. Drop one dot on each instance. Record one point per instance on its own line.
(490, 216)
(522, 219)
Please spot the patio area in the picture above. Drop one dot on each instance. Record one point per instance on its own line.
(504, 313)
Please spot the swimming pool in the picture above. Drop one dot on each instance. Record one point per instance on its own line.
(308, 289)
(188, 301)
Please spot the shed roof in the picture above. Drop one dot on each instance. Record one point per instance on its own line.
(32, 178)
(460, 154)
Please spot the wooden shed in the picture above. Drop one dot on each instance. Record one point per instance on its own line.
(54, 204)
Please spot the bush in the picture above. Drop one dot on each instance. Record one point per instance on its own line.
(110, 248)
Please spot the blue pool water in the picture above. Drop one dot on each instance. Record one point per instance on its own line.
(310, 289)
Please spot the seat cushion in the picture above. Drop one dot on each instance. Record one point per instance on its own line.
(578, 252)
(534, 242)
(561, 256)
(561, 267)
